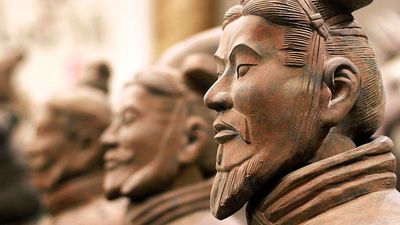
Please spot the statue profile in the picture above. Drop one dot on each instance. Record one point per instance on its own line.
(298, 97)
(160, 152)
(159, 147)
(66, 158)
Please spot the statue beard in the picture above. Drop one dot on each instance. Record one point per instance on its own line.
(232, 189)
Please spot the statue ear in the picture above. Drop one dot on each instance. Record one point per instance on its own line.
(197, 139)
(88, 146)
(340, 89)
(199, 72)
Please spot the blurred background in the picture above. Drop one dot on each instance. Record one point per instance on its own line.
(60, 37)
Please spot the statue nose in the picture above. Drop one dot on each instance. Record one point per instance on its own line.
(108, 139)
(219, 101)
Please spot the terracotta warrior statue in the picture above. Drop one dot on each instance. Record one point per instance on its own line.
(298, 97)
(19, 202)
(66, 159)
(160, 150)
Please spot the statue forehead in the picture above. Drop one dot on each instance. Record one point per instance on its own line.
(136, 95)
(47, 117)
(253, 31)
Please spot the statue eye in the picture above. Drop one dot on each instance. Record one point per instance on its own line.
(243, 69)
(128, 117)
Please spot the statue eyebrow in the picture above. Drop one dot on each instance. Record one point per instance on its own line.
(219, 60)
(129, 108)
(243, 49)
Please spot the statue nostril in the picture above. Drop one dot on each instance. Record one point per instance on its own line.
(220, 101)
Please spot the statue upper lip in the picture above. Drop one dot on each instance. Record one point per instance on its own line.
(224, 131)
(112, 160)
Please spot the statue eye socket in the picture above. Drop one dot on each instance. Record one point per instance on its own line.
(243, 69)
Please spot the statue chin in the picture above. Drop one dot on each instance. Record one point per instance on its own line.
(231, 190)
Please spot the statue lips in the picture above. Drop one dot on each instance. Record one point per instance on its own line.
(225, 132)
(233, 133)
(37, 160)
(38, 163)
(229, 124)
(113, 159)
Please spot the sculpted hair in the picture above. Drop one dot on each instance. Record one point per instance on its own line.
(160, 81)
(86, 107)
(344, 38)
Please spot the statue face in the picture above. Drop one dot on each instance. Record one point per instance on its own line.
(141, 144)
(262, 107)
(50, 155)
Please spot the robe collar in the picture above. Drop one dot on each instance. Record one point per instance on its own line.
(166, 207)
(320, 186)
(74, 193)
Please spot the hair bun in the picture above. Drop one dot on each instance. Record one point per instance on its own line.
(351, 5)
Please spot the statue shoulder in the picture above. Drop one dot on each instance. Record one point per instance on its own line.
(381, 208)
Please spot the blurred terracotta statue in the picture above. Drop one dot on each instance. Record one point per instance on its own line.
(19, 202)
(66, 159)
(298, 97)
(159, 142)
(160, 151)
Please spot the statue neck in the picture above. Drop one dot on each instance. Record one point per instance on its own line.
(189, 192)
(334, 144)
(74, 192)
(189, 175)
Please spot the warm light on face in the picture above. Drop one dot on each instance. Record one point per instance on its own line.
(262, 107)
(133, 142)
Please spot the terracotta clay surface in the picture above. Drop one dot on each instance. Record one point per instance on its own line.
(66, 158)
(298, 97)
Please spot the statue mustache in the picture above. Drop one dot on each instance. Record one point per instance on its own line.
(238, 121)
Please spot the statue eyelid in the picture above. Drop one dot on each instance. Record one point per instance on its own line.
(243, 69)
(128, 116)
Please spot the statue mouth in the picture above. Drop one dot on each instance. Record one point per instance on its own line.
(112, 164)
(115, 160)
(38, 163)
(230, 124)
(224, 132)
